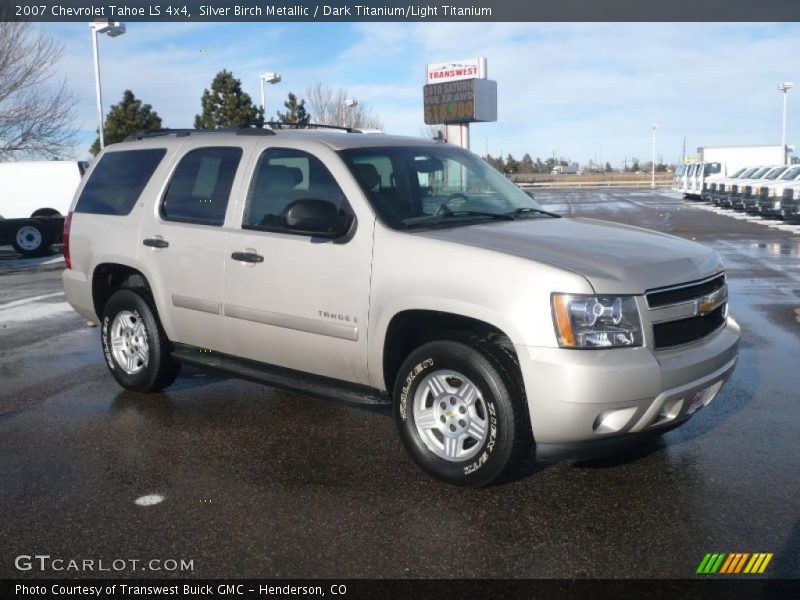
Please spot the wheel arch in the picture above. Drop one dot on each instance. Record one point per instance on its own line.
(407, 329)
(108, 277)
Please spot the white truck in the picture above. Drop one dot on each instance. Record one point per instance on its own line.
(573, 169)
(719, 162)
(34, 197)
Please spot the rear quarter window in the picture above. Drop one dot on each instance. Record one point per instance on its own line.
(118, 180)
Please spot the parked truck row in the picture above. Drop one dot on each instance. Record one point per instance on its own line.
(716, 162)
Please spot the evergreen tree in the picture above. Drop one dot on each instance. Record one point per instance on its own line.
(226, 105)
(608, 167)
(526, 164)
(511, 164)
(296, 113)
(126, 118)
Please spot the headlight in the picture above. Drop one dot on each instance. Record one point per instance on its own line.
(596, 321)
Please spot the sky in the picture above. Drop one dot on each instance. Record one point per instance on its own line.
(578, 90)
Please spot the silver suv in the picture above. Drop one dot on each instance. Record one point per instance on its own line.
(374, 268)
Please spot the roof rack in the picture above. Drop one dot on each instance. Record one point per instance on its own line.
(279, 125)
(142, 135)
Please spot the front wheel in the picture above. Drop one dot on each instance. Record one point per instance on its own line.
(135, 346)
(461, 411)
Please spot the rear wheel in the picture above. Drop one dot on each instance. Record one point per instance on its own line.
(135, 346)
(31, 238)
(461, 411)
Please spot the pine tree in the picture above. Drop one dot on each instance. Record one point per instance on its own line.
(226, 105)
(296, 113)
(126, 118)
(511, 164)
(526, 164)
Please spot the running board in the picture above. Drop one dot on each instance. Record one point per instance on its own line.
(281, 377)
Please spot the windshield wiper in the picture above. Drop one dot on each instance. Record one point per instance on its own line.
(427, 220)
(527, 210)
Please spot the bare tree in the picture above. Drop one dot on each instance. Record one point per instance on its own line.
(35, 116)
(329, 106)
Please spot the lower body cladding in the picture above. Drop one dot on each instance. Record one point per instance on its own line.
(589, 403)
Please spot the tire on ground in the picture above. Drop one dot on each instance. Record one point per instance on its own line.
(31, 238)
(160, 370)
(492, 370)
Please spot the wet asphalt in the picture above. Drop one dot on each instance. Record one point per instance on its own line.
(264, 483)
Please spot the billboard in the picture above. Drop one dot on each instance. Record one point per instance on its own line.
(464, 101)
(455, 70)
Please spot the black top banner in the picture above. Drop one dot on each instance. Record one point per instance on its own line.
(400, 10)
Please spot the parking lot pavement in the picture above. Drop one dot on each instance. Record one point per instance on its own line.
(264, 483)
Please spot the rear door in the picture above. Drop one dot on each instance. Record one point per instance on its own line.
(183, 243)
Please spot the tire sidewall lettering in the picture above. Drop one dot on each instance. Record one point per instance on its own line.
(408, 384)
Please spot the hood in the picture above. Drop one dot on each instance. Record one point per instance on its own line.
(614, 258)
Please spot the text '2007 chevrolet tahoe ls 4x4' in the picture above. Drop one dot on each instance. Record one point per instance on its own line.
(377, 268)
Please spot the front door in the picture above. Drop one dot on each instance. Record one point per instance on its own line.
(292, 300)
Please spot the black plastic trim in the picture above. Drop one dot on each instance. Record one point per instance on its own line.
(281, 377)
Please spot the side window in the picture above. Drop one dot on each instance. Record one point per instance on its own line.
(201, 185)
(282, 176)
(117, 181)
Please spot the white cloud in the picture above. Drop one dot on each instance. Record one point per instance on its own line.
(583, 89)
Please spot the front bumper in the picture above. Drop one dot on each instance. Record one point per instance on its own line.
(588, 403)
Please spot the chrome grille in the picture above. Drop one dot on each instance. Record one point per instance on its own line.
(687, 313)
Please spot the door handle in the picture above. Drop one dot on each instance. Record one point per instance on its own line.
(155, 243)
(249, 257)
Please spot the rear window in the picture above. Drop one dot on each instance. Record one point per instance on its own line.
(117, 181)
(201, 185)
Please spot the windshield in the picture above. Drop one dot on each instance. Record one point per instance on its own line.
(759, 173)
(712, 168)
(737, 173)
(792, 173)
(681, 170)
(747, 173)
(774, 173)
(438, 185)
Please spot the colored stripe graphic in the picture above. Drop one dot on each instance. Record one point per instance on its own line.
(734, 563)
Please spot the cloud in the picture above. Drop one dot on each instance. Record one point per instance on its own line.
(580, 89)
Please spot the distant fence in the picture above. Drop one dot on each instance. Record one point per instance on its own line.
(604, 184)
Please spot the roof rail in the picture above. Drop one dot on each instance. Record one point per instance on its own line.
(142, 135)
(279, 125)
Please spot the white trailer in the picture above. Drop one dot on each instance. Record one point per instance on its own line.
(34, 197)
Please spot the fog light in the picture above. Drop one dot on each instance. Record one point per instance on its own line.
(611, 421)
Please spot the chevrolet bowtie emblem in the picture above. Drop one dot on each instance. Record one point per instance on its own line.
(711, 302)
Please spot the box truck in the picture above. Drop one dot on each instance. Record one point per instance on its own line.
(34, 197)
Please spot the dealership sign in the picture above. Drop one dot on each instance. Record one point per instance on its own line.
(467, 101)
(455, 70)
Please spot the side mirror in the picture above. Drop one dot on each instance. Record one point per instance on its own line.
(316, 217)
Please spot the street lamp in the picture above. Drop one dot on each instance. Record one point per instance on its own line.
(653, 162)
(111, 29)
(348, 104)
(784, 87)
(267, 78)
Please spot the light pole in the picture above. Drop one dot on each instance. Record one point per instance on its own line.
(784, 87)
(267, 78)
(111, 29)
(653, 162)
(349, 104)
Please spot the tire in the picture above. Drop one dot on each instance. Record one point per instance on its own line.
(428, 397)
(135, 347)
(45, 212)
(31, 238)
